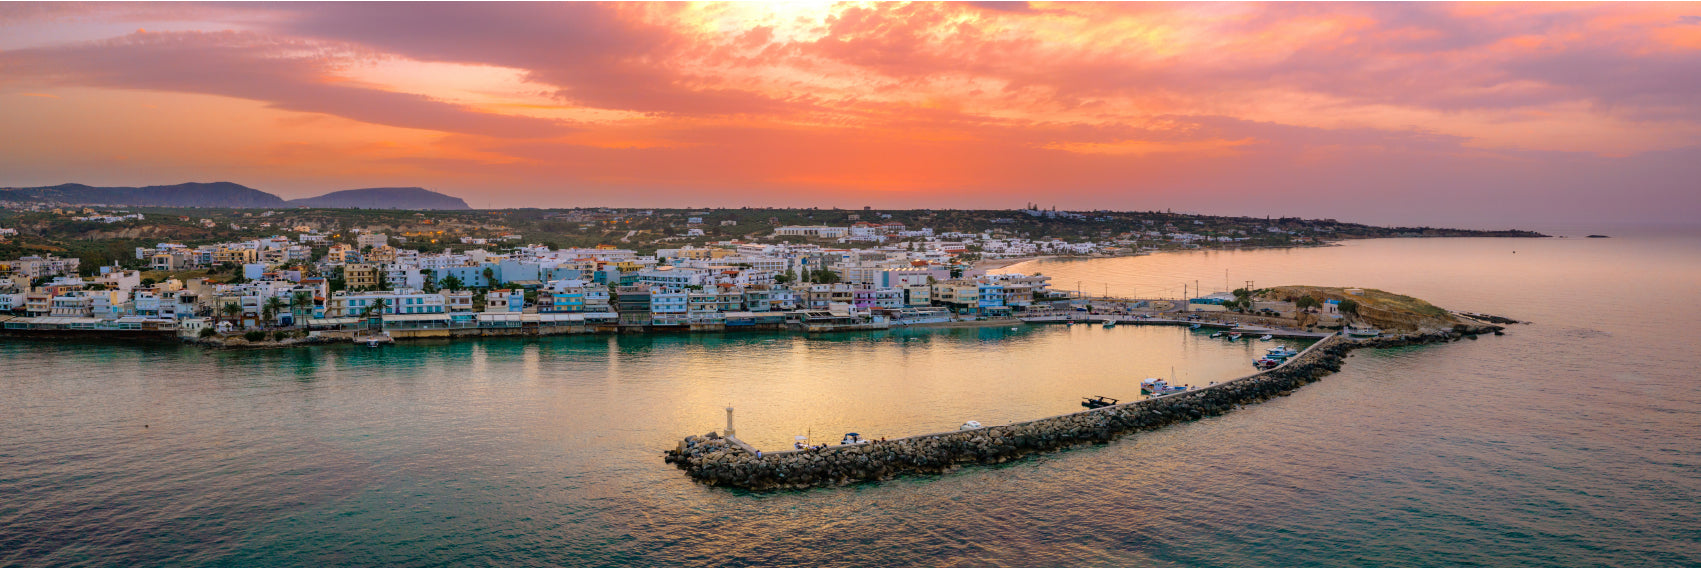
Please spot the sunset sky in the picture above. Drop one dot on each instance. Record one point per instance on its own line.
(1471, 114)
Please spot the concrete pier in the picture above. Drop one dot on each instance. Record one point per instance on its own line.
(717, 461)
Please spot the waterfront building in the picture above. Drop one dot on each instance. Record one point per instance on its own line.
(504, 301)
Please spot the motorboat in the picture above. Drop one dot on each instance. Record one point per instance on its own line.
(1234, 336)
(1266, 363)
(1159, 387)
(1097, 402)
(1218, 334)
(970, 425)
(852, 439)
(1267, 337)
(1110, 323)
(1280, 352)
(1194, 326)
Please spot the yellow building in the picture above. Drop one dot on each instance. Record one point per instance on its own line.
(235, 255)
(360, 276)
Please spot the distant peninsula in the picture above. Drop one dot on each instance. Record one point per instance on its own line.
(227, 195)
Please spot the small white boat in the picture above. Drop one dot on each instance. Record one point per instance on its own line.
(970, 425)
(1110, 323)
(1234, 336)
(1266, 337)
(1219, 334)
(1266, 363)
(852, 439)
(1159, 387)
(1194, 326)
(1281, 352)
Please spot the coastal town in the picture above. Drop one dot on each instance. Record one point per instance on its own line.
(379, 276)
(314, 283)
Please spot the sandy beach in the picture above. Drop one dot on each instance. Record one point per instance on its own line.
(997, 263)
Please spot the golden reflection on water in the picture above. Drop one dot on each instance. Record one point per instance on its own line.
(890, 384)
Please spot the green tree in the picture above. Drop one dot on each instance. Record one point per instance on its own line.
(301, 300)
(269, 312)
(377, 307)
(232, 310)
(826, 276)
(489, 277)
(430, 280)
(1305, 302)
(1349, 306)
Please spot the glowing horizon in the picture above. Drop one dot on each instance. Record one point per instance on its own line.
(1460, 113)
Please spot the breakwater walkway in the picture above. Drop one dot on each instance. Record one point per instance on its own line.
(1127, 319)
(720, 461)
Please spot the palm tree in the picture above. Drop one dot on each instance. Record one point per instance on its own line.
(489, 277)
(232, 310)
(377, 307)
(301, 300)
(270, 311)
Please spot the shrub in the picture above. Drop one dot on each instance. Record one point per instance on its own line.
(280, 335)
(254, 335)
(208, 332)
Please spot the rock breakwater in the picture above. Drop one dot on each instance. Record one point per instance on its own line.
(718, 461)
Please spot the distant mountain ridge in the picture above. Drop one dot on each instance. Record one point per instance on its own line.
(224, 194)
(382, 198)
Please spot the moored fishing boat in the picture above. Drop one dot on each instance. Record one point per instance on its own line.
(1159, 387)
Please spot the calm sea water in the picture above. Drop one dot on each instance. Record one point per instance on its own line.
(1572, 441)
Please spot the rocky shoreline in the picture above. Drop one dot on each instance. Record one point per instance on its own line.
(718, 461)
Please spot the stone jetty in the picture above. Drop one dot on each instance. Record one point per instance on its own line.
(719, 461)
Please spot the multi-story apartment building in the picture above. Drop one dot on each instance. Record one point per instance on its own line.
(360, 276)
(669, 307)
(353, 304)
(41, 266)
(504, 301)
(457, 301)
(374, 240)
